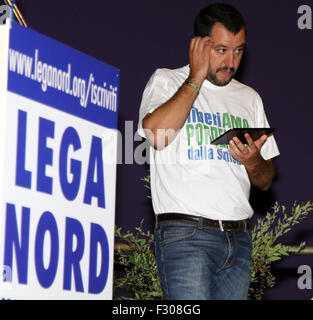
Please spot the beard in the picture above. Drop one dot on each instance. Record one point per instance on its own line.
(220, 83)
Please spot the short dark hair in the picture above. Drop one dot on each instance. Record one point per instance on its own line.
(223, 13)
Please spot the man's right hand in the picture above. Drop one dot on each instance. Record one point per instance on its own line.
(199, 59)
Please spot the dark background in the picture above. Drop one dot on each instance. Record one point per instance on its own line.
(139, 36)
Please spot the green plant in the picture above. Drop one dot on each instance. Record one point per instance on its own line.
(266, 249)
(147, 185)
(140, 270)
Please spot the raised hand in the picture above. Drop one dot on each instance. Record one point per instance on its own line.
(199, 59)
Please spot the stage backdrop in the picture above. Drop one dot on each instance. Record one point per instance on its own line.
(139, 36)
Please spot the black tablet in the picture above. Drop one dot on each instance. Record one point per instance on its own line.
(255, 133)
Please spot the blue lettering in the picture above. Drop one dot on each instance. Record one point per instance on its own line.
(46, 223)
(226, 156)
(45, 155)
(219, 154)
(17, 242)
(12, 240)
(208, 118)
(210, 153)
(219, 119)
(199, 115)
(69, 189)
(23, 177)
(72, 258)
(95, 189)
(214, 119)
(98, 236)
(190, 153)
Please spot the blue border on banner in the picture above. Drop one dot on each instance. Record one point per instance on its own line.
(99, 77)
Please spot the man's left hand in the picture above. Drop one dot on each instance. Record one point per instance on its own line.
(249, 155)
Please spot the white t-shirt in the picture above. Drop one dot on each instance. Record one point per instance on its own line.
(190, 175)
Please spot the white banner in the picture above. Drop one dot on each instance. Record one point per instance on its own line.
(58, 171)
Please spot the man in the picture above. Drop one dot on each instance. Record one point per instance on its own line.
(200, 192)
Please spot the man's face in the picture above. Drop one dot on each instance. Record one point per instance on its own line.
(226, 54)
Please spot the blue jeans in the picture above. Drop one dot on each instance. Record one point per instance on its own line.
(197, 263)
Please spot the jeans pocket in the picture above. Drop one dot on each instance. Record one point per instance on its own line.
(176, 233)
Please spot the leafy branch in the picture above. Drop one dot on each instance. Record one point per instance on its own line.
(141, 274)
(265, 247)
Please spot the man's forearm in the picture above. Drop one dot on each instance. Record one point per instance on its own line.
(162, 125)
(261, 175)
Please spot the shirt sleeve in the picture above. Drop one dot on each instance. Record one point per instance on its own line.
(158, 90)
(269, 149)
